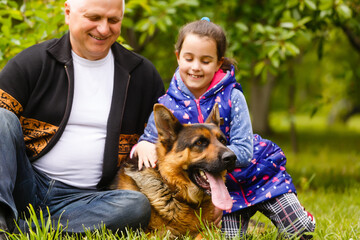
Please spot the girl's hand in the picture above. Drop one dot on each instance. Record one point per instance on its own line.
(146, 153)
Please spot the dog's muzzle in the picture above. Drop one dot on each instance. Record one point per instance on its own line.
(229, 159)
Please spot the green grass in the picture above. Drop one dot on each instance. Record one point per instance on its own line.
(326, 172)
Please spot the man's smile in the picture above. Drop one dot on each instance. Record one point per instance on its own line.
(97, 38)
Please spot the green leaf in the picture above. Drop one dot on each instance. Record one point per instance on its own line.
(310, 4)
(193, 3)
(273, 49)
(325, 4)
(6, 30)
(344, 12)
(161, 25)
(142, 25)
(294, 50)
(286, 35)
(301, 6)
(304, 20)
(289, 25)
(258, 28)
(275, 61)
(326, 13)
(291, 3)
(259, 67)
(151, 29)
(16, 41)
(15, 14)
(241, 26)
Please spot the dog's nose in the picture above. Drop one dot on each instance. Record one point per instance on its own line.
(229, 159)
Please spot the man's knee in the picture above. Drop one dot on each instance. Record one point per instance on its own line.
(9, 121)
(143, 210)
(134, 211)
(7, 115)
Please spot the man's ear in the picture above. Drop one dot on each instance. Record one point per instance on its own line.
(167, 125)
(67, 12)
(214, 116)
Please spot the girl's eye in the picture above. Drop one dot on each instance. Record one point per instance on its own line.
(188, 59)
(206, 60)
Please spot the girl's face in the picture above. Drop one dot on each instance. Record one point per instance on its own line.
(198, 62)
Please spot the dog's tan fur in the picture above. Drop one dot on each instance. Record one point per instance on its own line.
(176, 201)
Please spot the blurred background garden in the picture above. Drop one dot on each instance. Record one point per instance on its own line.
(297, 60)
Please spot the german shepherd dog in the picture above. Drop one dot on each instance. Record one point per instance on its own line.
(188, 182)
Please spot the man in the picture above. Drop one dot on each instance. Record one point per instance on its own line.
(82, 101)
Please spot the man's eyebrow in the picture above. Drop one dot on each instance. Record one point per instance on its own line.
(91, 15)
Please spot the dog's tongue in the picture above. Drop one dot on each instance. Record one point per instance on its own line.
(219, 194)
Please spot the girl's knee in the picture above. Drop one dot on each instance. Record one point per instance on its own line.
(302, 227)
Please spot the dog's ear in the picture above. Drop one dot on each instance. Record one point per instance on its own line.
(167, 124)
(214, 116)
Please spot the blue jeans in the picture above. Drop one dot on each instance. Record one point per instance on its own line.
(21, 185)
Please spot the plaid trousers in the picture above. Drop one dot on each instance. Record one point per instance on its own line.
(285, 212)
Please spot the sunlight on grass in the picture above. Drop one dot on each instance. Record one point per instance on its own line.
(354, 123)
(280, 122)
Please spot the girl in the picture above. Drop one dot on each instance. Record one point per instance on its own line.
(259, 182)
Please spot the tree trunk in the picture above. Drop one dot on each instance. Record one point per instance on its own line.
(293, 135)
(260, 103)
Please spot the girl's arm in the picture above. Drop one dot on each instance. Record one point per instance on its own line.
(241, 135)
(145, 150)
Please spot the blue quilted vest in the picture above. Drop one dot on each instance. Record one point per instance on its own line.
(189, 110)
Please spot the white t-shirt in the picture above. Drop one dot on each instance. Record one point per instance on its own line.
(77, 158)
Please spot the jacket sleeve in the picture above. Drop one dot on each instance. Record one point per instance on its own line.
(241, 135)
(150, 131)
(19, 77)
(13, 87)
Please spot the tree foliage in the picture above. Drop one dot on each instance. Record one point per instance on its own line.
(25, 24)
(267, 38)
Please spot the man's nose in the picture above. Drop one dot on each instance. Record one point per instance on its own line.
(103, 27)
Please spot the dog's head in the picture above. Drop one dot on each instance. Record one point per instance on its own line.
(193, 158)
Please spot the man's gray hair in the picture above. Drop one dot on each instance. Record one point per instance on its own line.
(123, 5)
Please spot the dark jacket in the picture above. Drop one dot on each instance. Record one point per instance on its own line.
(38, 86)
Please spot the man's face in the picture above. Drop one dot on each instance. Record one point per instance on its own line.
(94, 26)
